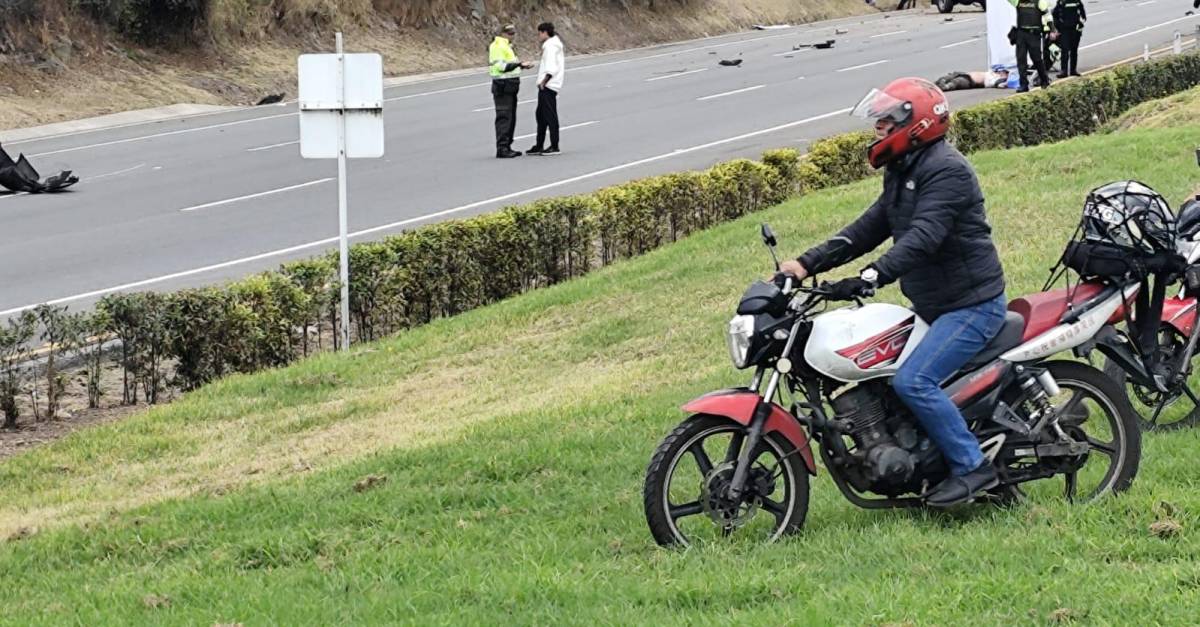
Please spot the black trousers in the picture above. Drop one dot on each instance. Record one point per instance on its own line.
(547, 117)
(504, 96)
(1068, 40)
(1029, 46)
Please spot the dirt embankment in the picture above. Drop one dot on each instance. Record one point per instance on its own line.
(66, 59)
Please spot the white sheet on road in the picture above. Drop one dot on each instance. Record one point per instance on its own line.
(1001, 17)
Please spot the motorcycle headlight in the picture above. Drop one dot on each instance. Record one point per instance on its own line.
(741, 330)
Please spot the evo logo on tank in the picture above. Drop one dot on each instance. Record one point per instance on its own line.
(880, 350)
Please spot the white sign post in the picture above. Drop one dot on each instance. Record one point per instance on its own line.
(341, 116)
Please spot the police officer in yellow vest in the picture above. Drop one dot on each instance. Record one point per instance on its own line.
(1069, 17)
(505, 69)
(1033, 21)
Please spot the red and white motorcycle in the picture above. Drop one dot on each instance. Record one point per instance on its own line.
(742, 460)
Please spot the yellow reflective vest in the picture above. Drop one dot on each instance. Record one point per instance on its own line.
(500, 54)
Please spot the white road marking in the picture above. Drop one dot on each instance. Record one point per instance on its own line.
(784, 54)
(565, 128)
(859, 67)
(166, 134)
(395, 225)
(174, 118)
(258, 195)
(961, 43)
(291, 143)
(676, 75)
(895, 32)
(117, 173)
(730, 93)
(438, 91)
(1098, 13)
(674, 52)
(1142, 4)
(494, 108)
(1136, 32)
(90, 178)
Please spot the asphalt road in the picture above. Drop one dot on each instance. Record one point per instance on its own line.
(203, 199)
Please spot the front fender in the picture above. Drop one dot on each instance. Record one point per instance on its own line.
(739, 405)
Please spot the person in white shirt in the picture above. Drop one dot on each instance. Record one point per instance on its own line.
(550, 82)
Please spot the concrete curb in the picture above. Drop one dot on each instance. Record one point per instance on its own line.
(114, 120)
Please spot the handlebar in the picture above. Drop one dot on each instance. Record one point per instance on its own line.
(822, 291)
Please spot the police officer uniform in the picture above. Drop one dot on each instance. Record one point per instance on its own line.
(1033, 20)
(1069, 16)
(505, 70)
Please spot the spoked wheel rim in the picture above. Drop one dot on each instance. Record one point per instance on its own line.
(1086, 414)
(695, 489)
(1178, 411)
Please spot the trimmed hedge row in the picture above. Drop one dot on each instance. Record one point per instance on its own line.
(444, 269)
(1073, 108)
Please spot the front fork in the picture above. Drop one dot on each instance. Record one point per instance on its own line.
(753, 435)
(763, 411)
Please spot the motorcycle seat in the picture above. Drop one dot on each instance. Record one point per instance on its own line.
(1011, 335)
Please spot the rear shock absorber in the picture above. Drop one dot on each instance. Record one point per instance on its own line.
(1040, 388)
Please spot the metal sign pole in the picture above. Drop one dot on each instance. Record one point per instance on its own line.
(341, 117)
(343, 245)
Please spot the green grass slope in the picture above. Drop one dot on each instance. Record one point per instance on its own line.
(1182, 109)
(513, 441)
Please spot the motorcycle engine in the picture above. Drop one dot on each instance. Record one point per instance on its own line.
(889, 448)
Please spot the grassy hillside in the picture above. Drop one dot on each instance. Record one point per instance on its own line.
(1182, 109)
(508, 446)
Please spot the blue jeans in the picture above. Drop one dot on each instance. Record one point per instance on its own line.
(952, 340)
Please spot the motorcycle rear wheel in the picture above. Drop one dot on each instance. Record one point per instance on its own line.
(1086, 394)
(683, 493)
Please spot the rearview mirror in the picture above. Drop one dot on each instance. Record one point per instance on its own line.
(768, 235)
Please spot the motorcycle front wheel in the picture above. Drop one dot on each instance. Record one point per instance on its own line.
(686, 494)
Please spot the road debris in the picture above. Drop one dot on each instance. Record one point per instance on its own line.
(821, 45)
(19, 176)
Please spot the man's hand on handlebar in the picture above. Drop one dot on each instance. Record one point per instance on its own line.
(794, 268)
(849, 289)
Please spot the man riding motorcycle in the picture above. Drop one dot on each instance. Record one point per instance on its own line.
(943, 256)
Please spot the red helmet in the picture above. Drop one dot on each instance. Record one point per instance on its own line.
(919, 110)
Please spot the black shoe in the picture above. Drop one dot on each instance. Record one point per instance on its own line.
(508, 154)
(1062, 75)
(1075, 74)
(536, 150)
(1022, 90)
(955, 490)
(551, 151)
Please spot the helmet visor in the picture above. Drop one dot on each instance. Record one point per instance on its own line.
(878, 105)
